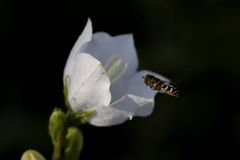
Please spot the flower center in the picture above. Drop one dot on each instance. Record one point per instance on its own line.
(115, 68)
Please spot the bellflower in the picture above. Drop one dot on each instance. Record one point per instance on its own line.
(101, 76)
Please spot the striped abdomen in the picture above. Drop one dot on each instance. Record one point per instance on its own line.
(156, 84)
(169, 89)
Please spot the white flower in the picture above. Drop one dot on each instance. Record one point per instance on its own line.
(101, 75)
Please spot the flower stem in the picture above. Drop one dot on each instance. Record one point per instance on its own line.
(57, 151)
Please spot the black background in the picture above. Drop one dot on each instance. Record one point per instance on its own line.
(195, 43)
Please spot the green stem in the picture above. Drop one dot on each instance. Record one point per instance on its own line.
(57, 152)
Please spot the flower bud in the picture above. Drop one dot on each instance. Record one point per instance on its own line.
(74, 144)
(57, 126)
(32, 155)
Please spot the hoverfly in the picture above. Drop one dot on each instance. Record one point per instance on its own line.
(159, 85)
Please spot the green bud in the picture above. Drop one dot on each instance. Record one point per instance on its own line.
(57, 126)
(73, 144)
(32, 155)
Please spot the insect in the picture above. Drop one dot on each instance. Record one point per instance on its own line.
(159, 85)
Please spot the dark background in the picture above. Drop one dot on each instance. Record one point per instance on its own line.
(195, 43)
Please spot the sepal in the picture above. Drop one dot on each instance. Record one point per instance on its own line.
(78, 118)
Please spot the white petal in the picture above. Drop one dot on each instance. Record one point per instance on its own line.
(138, 102)
(145, 106)
(141, 94)
(103, 47)
(89, 85)
(124, 109)
(82, 39)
